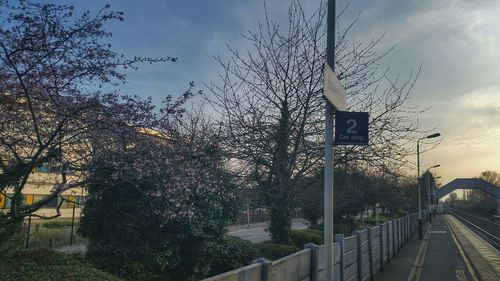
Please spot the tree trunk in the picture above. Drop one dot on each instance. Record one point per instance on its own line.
(281, 221)
(279, 189)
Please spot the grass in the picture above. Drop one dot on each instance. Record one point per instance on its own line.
(53, 234)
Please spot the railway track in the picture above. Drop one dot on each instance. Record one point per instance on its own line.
(486, 229)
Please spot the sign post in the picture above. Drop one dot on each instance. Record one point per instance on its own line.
(352, 128)
(336, 100)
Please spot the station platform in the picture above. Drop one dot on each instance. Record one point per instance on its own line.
(449, 251)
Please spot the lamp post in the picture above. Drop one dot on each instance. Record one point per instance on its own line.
(434, 201)
(420, 230)
(429, 207)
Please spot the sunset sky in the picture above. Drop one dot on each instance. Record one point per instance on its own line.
(456, 42)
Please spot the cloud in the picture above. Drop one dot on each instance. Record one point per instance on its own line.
(482, 102)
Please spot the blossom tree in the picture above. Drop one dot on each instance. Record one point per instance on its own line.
(159, 206)
(53, 67)
(154, 176)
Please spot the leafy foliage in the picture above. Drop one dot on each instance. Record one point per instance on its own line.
(273, 251)
(301, 237)
(231, 253)
(54, 66)
(47, 265)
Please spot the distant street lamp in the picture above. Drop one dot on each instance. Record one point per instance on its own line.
(435, 200)
(429, 206)
(420, 230)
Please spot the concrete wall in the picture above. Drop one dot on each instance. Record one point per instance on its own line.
(356, 258)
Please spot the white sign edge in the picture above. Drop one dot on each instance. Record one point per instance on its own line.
(333, 91)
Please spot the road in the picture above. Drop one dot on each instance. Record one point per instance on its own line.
(256, 232)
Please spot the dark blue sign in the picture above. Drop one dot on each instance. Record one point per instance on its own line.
(351, 128)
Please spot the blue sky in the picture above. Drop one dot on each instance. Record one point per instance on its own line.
(457, 42)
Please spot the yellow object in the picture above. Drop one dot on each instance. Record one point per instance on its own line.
(29, 199)
(71, 202)
(2, 200)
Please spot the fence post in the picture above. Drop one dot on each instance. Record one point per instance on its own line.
(404, 229)
(265, 268)
(339, 238)
(410, 225)
(381, 242)
(388, 241)
(400, 234)
(314, 260)
(394, 237)
(370, 253)
(358, 239)
(408, 228)
(413, 224)
(395, 222)
(409, 232)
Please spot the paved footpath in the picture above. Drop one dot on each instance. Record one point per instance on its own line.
(401, 265)
(443, 261)
(449, 251)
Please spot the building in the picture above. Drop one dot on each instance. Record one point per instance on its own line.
(39, 186)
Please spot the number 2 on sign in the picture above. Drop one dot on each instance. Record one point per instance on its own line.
(353, 124)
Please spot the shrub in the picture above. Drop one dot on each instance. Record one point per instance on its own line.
(162, 222)
(345, 227)
(47, 265)
(301, 237)
(233, 253)
(374, 221)
(273, 251)
(11, 246)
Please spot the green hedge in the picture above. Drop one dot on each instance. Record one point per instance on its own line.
(301, 237)
(35, 272)
(233, 253)
(47, 265)
(273, 251)
(381, 219)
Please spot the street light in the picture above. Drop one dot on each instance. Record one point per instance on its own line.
(429, 207)
(420, 231)
(435, 201)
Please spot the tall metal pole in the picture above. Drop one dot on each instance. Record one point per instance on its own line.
(328, 212)
(328, 208)
(429, 207)
(420, 230)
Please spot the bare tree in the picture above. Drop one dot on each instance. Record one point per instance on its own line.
(270, 102)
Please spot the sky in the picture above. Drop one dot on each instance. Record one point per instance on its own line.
(457, 43)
